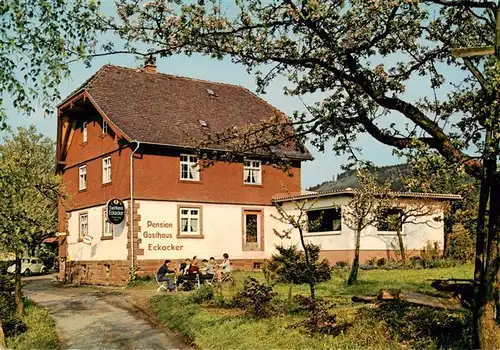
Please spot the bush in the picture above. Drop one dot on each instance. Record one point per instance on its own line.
(11, 323)
(341, 264)
(256, 297)
(429, 253)
(202, 294)
(462, 245)
(40, 332)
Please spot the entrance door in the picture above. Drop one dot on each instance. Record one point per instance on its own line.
(252, 228)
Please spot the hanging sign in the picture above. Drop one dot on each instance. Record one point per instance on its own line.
(115, 211)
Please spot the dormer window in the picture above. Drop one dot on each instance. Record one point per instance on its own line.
(252, 174)
(190, 169)
(84, 132)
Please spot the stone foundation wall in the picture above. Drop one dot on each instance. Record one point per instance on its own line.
(115, 273)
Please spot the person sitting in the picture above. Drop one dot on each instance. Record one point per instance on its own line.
(162, 273)
(207, 271)
(224, 267)
(190, 272)
(185, 266)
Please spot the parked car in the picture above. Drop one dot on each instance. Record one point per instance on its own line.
(29, 266)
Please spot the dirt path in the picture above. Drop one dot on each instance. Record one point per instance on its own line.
(99, 318)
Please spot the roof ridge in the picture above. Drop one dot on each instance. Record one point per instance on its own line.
(140, 70)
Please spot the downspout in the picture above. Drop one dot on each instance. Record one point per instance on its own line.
(131, 209)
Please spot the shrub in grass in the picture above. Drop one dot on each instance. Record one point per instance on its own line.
(11, 322)
(202, 294)
(40, 332)
(256, 297)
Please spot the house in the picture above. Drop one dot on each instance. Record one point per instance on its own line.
(128, 134)
(417, 216)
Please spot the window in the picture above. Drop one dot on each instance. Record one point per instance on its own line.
(84, 226)
(82, 171)
(84, 132)
(252, 230)
(189, 221)
(390, 220)
(325, 220)
(106, 170)
(252, 172)
(104, 127)
(189, 168)
(107, 226)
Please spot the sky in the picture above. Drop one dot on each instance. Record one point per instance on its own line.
(322, 168)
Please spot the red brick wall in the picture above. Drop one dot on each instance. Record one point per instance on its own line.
(158, 178)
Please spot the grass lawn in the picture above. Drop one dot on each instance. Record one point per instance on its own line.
(40, 332)
(392, 325)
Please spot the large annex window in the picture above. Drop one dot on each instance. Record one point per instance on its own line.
(390, 220)
(107, 226)
(106, 170)
(252, 174)
(324, 220)
(82, 177)
(84, 132)
(189, 168)
(190, 222)
(84, 225)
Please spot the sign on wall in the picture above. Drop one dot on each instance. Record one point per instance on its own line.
(116, 211)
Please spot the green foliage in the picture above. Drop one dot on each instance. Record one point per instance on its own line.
(461, 244)
(38, 40)
(355, 326)
(202, 294)
(290, 266)
(29, 190)
(429, 253)
(257, 297)
(10, 321)
(40, 331)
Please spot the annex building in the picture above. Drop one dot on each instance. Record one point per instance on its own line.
(131, 134)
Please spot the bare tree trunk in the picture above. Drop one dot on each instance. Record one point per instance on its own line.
(2, 338)
(310, 276)
(353, 276)
(488, 327)
(401, 245)
(17, 280)
(479, 260)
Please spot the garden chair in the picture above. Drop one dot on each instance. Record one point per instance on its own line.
(164, 285)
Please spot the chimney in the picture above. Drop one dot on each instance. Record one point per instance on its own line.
(150, 64)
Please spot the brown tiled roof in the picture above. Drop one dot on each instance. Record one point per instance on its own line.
(166, 109)
(284, 197)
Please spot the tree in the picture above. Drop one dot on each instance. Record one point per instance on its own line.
(311, 272)
(29, 193)
(364, 55)
(361, 211)
(290, 266)
(38, 39)
(415, 211)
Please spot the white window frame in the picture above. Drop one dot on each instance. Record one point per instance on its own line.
(106, 170)
(191, 171)
(189, 216)
(252, 169)
(84, 132)
(82, 177)
(84, 225)
(104, 127)
(107, 226)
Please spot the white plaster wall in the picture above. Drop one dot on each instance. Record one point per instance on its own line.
(415, 234)
(221, 225)
(113, 249)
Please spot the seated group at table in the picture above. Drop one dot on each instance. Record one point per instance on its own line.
(189, 270)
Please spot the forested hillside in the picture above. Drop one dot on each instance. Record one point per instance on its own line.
(348, 179)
